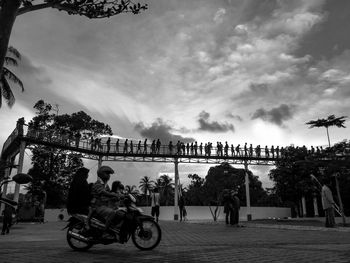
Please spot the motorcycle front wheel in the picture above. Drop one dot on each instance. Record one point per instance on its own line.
(147, 236)
(75, 238)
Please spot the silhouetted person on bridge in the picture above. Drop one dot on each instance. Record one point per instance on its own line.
(158, 146)
(273, 151)
(267, 153)
(178, 147)
(195, 146)
(153, 147)
(170, 147)
(277, 151)
(183, 147)
(125, 146)
(139, 147)
(245, 150)
(108, 143)
(131, 147)
(117, 146)
(145, 146)
(238, 153)
(92, 143)
(188, 148)
(226, 149)
(250, 150)
(201, 148)
(257, 151)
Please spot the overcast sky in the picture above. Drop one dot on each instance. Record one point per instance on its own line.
(237, 71)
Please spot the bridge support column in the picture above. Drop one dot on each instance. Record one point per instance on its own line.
(176, 198)
(22, 149)
(247, 192)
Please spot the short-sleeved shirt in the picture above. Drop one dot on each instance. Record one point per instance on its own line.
(155, 199)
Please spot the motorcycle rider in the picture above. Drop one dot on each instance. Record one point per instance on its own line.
(101, 196)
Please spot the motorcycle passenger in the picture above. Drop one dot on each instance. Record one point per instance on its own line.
(118, 188)
(79, 194)
(101, 197)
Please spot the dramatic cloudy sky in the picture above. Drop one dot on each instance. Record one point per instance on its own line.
(237, 71)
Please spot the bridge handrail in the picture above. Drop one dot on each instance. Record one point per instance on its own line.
(85, 143)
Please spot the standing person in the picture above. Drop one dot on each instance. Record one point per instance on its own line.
(7, 219)
(181, 206)
(328, 203)
(227, 205)
(236, 205)
(108, 144)
(145, 146)
(155, 203)
(117, 146)
(139, 147)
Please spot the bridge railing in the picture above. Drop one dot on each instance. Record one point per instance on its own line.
(132, 147)
(123, 148)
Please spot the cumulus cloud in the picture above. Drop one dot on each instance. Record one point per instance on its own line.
(160, 130)
(276, 115)
(212, 126)
(234, 116)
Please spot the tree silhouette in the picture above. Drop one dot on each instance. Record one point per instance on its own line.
(10, 9)
(330, 121)
(167, 188)
(146, 185)
(11, 58)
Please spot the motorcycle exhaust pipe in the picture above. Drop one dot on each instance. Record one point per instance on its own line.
(78, 237)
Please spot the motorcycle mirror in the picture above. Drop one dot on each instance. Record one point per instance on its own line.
(22, 178)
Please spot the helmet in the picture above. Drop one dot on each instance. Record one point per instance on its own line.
(104, 172)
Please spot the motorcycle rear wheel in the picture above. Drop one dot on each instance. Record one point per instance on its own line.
(149, 238)
(75, 243)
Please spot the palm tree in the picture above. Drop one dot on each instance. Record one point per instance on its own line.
(330, 121)
(167, 187)
(5, 89)
(131, 189)
(146, 185)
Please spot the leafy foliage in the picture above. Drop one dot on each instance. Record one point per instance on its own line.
(223, 176)
(330, 121)
(146, 185)
(7, 75)
(53, 168)
(88, 8)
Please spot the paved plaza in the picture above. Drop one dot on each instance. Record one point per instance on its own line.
(186, 242)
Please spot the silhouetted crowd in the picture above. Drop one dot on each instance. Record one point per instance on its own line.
(155, 147)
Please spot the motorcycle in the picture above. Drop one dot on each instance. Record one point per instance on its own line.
(143, 230)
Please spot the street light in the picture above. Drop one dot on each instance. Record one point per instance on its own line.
(20, 178)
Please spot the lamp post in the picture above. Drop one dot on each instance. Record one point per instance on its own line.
(339, 198)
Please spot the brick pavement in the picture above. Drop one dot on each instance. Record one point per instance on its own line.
(185, 242)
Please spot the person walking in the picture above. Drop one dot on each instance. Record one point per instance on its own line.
(181, 207)
(7, 219)
(235, 208)
(155, 198)
(227, 205)
(328, 203)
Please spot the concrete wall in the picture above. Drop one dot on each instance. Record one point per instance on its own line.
(193, 213)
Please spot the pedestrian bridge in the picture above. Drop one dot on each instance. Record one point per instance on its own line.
(110, 151)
